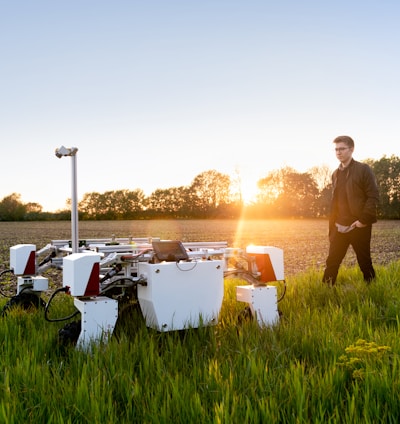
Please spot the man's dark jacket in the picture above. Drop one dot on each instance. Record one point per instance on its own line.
(362, 193)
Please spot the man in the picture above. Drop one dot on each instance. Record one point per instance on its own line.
(353, 211)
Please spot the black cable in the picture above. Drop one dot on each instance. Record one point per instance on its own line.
(5, 271)
(284, 291)
(47, 259)
(1, 274)
(185, 270)
(46, 309)
(114, 271)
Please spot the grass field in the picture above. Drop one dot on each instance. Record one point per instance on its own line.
(332, 358)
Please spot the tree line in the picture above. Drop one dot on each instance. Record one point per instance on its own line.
(282, 193)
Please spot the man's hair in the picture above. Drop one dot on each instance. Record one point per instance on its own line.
(348, 141)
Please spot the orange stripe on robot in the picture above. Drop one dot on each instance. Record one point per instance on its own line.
(265, 267)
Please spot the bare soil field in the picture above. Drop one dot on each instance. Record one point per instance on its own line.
(304, 242)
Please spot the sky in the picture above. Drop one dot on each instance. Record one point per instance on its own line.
(154, 92)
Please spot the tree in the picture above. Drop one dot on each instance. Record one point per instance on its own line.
(236, 188)
(298, 196)
(322, 176)
(209, 189)
(281, 193)
(168, 203)
(33, 211)
(119, 204)
(125, 204)
(387, 173)
(289, 193)
(12, 209)
(270, 187)
(92, 206)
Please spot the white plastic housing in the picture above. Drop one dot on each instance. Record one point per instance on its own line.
(99, 316)
(269, 262)
(81, 273)
(23, 259)
(181, 295)
(262, 301)
(38, 283)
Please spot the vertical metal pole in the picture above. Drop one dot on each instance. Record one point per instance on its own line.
(74, 207)
(71, 151)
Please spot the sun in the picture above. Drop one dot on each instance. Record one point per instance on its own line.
(244, 185)
(249, 190)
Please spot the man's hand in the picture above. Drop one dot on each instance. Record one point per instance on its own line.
(358, 224)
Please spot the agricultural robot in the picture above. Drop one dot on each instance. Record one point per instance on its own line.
(173, 285)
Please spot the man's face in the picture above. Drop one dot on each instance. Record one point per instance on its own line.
(343, 152)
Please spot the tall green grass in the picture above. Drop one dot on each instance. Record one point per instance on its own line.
(332, 358)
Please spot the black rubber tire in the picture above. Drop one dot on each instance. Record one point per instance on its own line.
(25, 301)
(69, 334)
